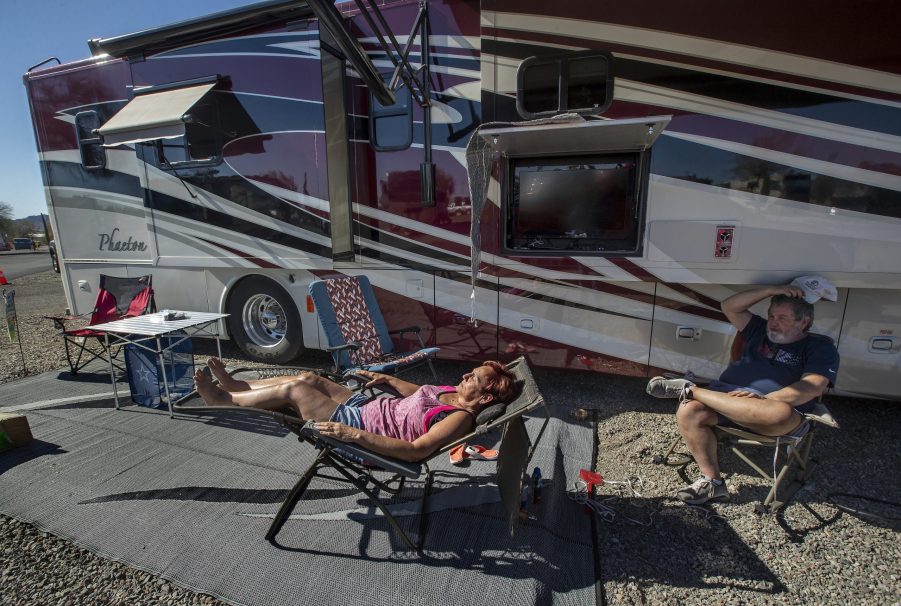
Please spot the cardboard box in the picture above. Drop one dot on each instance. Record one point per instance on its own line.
(14, 430)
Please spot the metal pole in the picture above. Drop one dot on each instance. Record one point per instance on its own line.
(21, 352)
(159, 352)
(427, 169)
(112, 372)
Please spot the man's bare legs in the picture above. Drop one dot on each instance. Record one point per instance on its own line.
(313, 397)
(697, 415)
(695, 421)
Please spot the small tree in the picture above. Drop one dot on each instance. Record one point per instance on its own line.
(22, 228)
(6, 219)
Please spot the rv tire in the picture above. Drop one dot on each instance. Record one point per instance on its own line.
(263, 321)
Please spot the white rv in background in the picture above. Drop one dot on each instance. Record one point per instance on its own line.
(238, 157)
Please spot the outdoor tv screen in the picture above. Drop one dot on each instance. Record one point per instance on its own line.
(582, 205)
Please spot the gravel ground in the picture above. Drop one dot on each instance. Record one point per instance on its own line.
(653, 551)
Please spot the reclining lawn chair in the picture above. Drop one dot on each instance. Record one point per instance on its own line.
(358, 337)
(117, 298)
(515, 451)
(784, 478)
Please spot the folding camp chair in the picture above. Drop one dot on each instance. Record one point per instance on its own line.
(787, 472)
(357, 335)
(516, 450)
(117, 298)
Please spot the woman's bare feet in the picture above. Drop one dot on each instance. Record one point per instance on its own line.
(226, 381)
(211, 394)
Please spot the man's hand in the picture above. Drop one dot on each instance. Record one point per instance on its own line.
(789, 291)
(743, 393)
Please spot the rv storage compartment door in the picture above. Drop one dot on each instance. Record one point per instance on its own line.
(569, 138)
(870, 343)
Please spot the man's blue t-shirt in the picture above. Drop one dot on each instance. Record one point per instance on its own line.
(766, 366)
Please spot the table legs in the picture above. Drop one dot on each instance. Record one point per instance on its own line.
(160, 352)
(112, 370)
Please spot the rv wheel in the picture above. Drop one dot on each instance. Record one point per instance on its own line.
(263, 321)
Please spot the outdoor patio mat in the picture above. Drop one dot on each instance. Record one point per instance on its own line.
(190, 498)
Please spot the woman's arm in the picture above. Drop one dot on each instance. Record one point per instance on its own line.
(455, 425)
(404, 388)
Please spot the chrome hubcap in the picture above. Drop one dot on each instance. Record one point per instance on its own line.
(264, 320)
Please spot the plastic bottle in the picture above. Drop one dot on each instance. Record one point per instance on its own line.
(536, 485)
(524, 500)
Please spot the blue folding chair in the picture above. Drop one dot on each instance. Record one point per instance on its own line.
(357, 335)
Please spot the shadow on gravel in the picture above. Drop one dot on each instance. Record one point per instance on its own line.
(682, 547)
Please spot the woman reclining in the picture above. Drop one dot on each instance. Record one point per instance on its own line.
(409, 427)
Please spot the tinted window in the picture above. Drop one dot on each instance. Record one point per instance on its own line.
(202, 141)
(691, 161)
(586, 83)
(540, 84)
(93, 156)
(578, 82)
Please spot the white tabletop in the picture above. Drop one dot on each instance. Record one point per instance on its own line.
(151, 325)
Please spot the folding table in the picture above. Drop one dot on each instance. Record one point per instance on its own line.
(147, 332)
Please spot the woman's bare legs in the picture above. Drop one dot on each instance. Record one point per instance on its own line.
(229, 383)
(312, 396)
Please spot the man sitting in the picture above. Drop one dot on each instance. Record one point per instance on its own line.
(782, 371)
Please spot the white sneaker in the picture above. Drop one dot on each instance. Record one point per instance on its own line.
(704, 490)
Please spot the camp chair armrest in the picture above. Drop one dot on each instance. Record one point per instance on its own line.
(821, 414)
(413, 329)
(404, 468)
(59, 322)
(352, 345)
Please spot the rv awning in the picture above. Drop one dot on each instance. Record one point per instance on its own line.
(153, 116)
(631, 134)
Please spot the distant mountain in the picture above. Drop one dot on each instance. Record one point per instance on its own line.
(36, 221)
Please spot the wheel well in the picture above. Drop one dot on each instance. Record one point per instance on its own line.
(233, 286)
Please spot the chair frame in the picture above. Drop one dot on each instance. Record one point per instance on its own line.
(80, 342)
(793, 473)
(789, 478)
(352, 348)
(363, 476)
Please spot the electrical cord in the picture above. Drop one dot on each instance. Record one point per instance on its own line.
(852, 511)
(579, 493)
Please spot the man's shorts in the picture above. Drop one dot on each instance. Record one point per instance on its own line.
(799, 432)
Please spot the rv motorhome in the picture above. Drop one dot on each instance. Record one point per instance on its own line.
(612, 172)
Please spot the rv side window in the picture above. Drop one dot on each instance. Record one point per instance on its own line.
(202, 141)
(575, 205)
(90, 145)
(391, 126)
(579, 82)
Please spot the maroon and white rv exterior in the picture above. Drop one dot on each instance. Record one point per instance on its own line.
(772, 150)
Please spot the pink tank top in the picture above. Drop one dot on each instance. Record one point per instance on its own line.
(405, 418)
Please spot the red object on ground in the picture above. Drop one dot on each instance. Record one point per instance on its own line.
(3, 279)
(591, 478)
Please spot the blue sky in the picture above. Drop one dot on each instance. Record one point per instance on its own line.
(31, 31)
